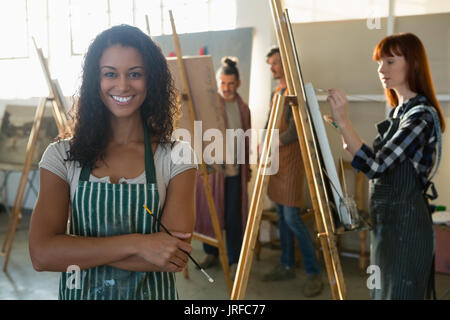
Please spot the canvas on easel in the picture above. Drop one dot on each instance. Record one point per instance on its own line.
(15, 129)
(208, 114)
(55, 96)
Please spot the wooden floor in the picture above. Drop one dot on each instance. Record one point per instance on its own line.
(22, 282)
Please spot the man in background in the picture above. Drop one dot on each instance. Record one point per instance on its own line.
(229, 187)
(286, 190)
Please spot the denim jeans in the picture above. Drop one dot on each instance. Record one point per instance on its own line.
(233, 221)
(291, 225)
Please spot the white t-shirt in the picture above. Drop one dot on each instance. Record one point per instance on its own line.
(166, 168)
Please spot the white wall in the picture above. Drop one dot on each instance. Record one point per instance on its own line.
(256, 14)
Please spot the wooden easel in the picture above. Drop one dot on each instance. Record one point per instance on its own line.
(187, 97)
(313, 168)
(147, 25)
(55, 97)
(59, 115)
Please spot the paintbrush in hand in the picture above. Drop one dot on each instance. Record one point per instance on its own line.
(193, 260)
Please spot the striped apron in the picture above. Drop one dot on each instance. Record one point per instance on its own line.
(402, 240)
(105, 210)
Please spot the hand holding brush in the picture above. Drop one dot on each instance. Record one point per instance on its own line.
(211, 280)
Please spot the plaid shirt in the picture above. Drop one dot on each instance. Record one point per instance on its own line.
(414, 140)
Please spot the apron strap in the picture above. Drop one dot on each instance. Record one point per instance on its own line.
(150, 172)
(437, 129)
(85, 173)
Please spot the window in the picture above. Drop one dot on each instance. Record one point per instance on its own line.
(63, 29)
(199, 15)
(121, 11)
(414, 7)
(189, 16)
(14, 17)
(88, 18)
(153, 10)
(329, 10)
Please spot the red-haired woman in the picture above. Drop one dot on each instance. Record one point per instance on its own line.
(399, 166)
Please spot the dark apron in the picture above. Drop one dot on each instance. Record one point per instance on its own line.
(402, 240)
(105, 210)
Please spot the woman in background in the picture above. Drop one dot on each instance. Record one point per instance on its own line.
(118, 160)
(399, 166)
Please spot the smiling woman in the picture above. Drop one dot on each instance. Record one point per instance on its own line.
(94, 185)
(107, 66)
(122, 82)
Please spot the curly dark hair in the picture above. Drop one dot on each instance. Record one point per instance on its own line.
(91, 129)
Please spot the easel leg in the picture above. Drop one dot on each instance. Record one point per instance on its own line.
(218, 232)
(8, 231)
(331, 259)
(12, 216)
(15, 215)
(15, 218)
(255, 211)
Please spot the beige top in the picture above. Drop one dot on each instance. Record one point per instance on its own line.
(54, 157)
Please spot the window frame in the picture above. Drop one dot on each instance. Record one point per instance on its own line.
(27, 37)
